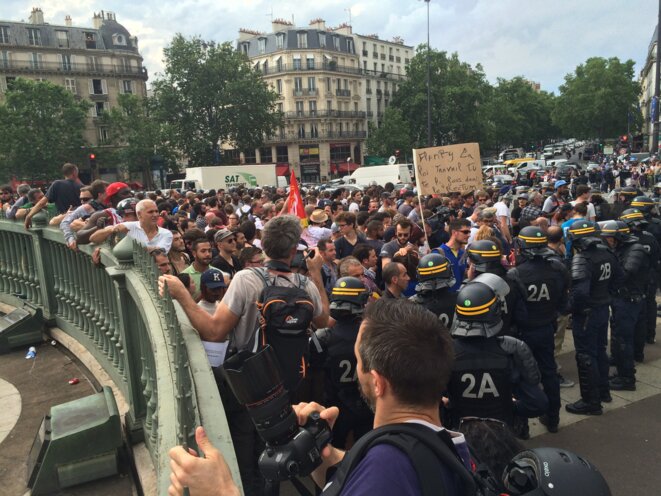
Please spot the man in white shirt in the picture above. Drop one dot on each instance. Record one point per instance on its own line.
(583, 196)
(145, 230)
(503, 217)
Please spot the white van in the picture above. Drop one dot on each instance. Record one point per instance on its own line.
(380, 174)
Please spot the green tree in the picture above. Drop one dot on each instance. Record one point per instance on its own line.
(457, 93)
(41, 128)
(598, 99)
(137, 136)
(209, 94)
(393, 134)
(517, 115)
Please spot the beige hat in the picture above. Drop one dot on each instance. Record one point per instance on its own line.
(318, 216)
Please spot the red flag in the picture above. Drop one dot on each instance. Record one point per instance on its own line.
(294, 203)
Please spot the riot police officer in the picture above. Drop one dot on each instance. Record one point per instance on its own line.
(490, 369)
(484, 257)
(635, 219)
(347, 303)
(596, 274)
(628, 303)
(624, 198)
(547, 281)
(435, 278)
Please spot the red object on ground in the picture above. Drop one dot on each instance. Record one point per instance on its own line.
(74, 381)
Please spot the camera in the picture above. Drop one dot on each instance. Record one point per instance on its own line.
(291, 450)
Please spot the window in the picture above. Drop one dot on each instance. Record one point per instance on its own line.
(127, 86)
(280, 40)
(301, 130)
(118, 39)
(328, 84)
(261, 45)
(297, 62)
(302, 39)
(350, 47)
(125, 64)
(250, 156)
(5, 59)
(36, 61)
(311, 83)
(336, 42)
(34, 37)
(90, 39)
(313, 108)
(92, 64)
(322, 40)
(62, 38)
(99, 108)
(281, 154)
(329, 105)
(103, 135)
(70, 85)
(278, 64)
(4, 34)
(280, 107)
(265, 67)
(299, 108)
(310, 62)
(298, 84)
(368, 104)
(245, 46)
(266, 155)
(98, 87)
(65, 60)
(278, 86)
(314, 131)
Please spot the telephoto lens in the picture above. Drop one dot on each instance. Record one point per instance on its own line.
(291, 450)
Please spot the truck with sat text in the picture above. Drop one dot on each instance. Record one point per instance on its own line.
(229, 176)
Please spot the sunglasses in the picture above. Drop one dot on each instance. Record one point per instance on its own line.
(85, 198)
(465, 231)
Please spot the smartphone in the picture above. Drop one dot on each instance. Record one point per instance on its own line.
(311, 253)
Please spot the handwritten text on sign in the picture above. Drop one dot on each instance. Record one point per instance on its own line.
(447, 169)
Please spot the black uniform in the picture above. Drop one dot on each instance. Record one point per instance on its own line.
(514, 309)
(342, 389)
(486, 372)
(547, 282)
(641, 332)
(440, 302)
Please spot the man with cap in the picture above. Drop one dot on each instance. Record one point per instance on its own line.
(212, 289)
(227, 260)
(316, 229)
(556, 199)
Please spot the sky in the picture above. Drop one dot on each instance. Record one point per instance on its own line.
(540, 40)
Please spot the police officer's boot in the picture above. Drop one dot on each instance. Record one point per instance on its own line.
(520, 427)
(588, 378)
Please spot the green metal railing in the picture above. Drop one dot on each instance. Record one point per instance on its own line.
(142, 341)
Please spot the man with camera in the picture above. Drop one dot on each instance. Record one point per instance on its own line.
(236, 320)
(404, 360)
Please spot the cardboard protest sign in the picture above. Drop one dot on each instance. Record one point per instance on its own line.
(448, 169)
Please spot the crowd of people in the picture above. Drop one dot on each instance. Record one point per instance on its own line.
(428, 310)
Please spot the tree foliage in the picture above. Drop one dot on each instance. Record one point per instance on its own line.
(136, 136)
(209, 94)
(517, 115)
(393, 134)
(598, 99)
(457, 93)
(41, 128)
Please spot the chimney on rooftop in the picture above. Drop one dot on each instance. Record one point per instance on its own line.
(67, 21)
(318, 24)
(97, 20)
(36, 16)
(281, 25)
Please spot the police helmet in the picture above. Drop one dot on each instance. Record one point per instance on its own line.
(643, 203)
(434, 272)
(628, 192)
(479, 307)
(614, 229)
(484, 255)
(583, 233)
(633, 217)
(126, 206)
(532, 241)
(348, 297)
(547, 471)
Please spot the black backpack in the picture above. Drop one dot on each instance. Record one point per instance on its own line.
(426, 453)
(285, 316)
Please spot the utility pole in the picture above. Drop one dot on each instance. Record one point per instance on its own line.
(657, 75)
(429, 142)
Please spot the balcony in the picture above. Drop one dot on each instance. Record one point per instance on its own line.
(375, 55)
(306, 92)
(383, 56)
(332, 114)
(25, 66)
(332, 67)
(365, 53)
(346, 93)
(332, 135)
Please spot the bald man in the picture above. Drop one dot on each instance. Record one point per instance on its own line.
(145, 230)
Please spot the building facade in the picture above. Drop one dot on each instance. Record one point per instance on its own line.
(331, 83)
(95, 63)
(647, 75)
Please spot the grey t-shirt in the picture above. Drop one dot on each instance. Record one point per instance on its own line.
(241, 297)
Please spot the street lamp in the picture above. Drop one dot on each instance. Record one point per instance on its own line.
(429, 80)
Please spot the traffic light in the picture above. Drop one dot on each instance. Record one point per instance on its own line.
(397, 153)
(624, 138)
(92, 159)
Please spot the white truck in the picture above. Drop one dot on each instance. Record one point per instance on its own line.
(380, 174)
(228, 176)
